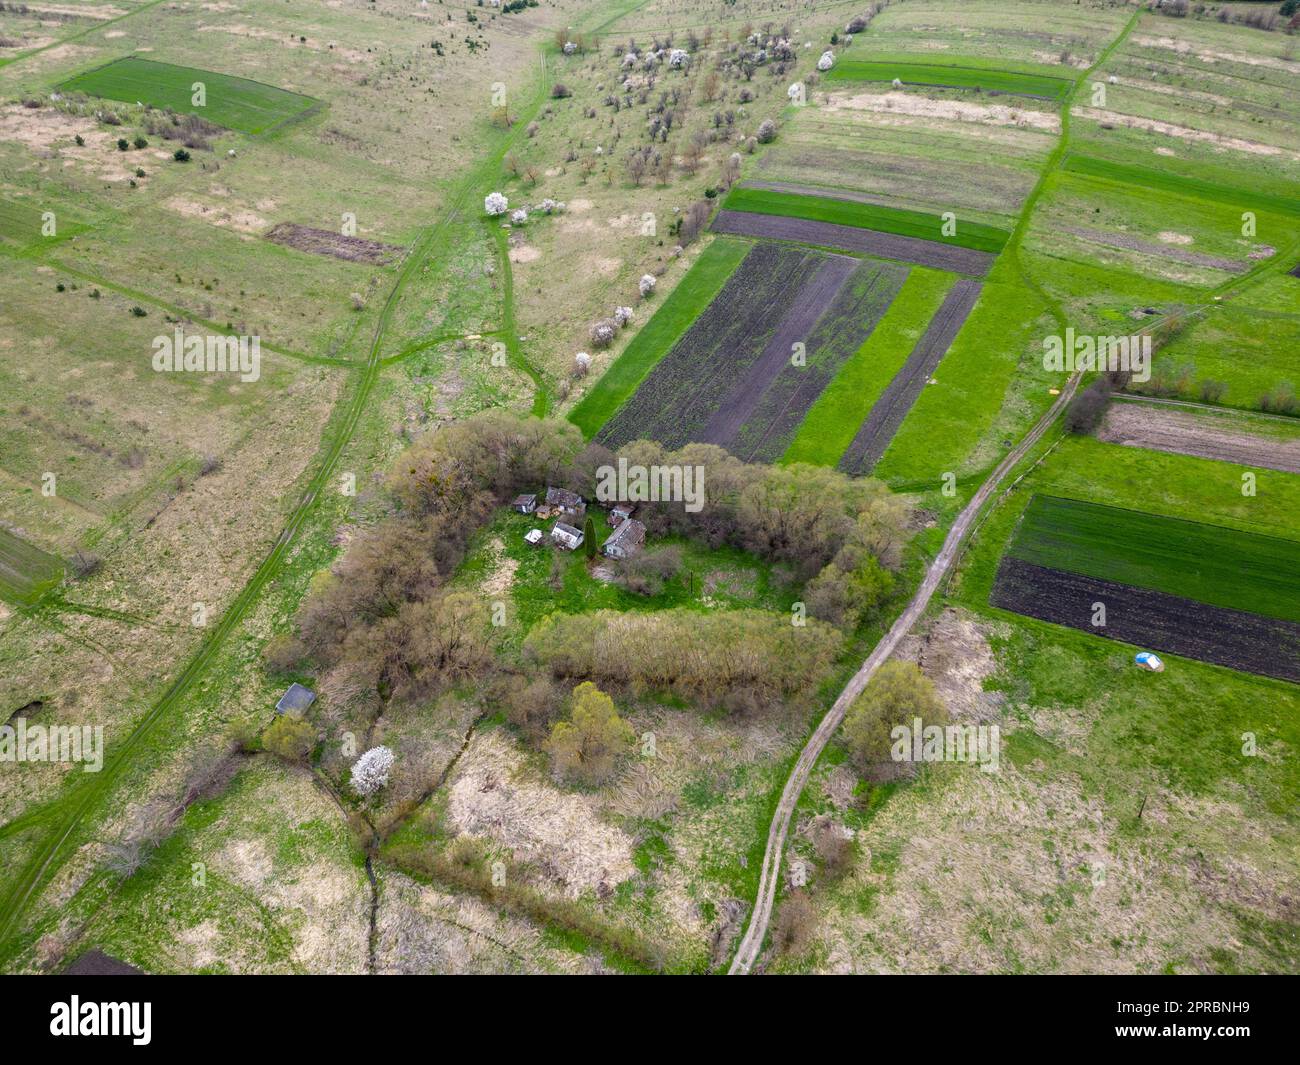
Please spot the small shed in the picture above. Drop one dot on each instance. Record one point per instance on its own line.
(620, 512)
(296, 700)
(533, 537)
(565, 504)
(566, 536)
(526, 503)
(626, 540)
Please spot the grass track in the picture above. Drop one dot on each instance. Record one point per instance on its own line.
(1209, 563)
(847, 212)
(233, 102)
(26, 571)
(656, 338)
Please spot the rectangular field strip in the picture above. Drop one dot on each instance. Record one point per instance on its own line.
(26, 571)
(855, 240)
(847, 211)
(232, 102)
(944, 76)
(1151, 619)
(656, 338)
(833, 421)
(1179, 184)
(1211, 564)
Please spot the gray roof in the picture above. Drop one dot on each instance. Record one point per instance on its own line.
(566, 528)
(629, 534)
(524, 499)
(97, 963)
(562, 497)
(296, 699)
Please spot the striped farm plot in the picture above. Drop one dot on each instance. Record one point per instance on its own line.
(234, 103)
(1189, 588)
(731, 378)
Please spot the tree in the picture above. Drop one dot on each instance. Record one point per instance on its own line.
(290, 738)
(766, 132)
(1086, 409)
(494, 203)
(370, 771)
(586, 748)
(589, 538)
(897, 695)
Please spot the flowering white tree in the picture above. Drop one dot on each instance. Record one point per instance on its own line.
(826, 61)
(370, 771)
(629, 59)
(602, 333)
(519, 217)
(622, 315)
(581, 363)
(678, 58)
(646, 285)
(494, 203)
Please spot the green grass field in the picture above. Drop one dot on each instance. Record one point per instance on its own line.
(1209, 563)
(25, 570)
(1180, 184)
(835, 418)
(865, 216)
(985, 79)
(693, 293)
(235, 103)
(20, 225)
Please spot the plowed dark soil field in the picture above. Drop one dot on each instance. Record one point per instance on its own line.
(1155, 620)
(853, 239)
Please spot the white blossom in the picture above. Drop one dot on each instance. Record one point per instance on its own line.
(826, 61)
(678, 57)
(494, 203)
(646, 284)
(622, 315)
(519, 217)
(370, 771)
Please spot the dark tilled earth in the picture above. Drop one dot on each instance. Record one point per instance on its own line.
(1233, 638)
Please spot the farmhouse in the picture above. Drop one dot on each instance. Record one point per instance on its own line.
(295, 700)
(525, 504)
(567, 505)
(566, 536)
(626, 540)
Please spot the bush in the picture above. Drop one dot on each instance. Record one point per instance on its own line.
(587, 747)
(766, 133)
(290, 738)
(181, 155)
(1085, 411)
(560, 91)
(898, 693)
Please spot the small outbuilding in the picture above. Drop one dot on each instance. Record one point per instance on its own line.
(625, 541)
(296, 700)
(620, 512)
(525, 504)
(566, 536)
(533, 537)
(569, 506)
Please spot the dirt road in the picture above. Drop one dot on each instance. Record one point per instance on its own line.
(752, 942)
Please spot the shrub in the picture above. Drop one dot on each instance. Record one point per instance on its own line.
(560, 91)
(766, 133)
(181, 155)
(587, 747)
(290, 738)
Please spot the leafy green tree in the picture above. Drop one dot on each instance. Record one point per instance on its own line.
(586, 748)
(897, 695)
(589, 538)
